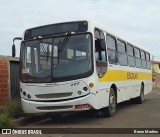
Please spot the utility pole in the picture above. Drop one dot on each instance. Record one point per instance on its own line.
(152, 57)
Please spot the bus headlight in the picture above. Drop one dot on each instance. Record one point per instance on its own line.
(85, 88)
(24, 93)
(29, 96)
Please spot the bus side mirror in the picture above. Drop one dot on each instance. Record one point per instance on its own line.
(13, 50)
(14, 47)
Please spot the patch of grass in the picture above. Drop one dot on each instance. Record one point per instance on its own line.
(1, 110)
(9, 112)
(14, 109)
(6, 122)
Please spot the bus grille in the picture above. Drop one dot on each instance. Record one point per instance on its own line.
(55, 95)
(54, 107)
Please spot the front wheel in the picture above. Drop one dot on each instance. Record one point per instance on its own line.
(111, 109)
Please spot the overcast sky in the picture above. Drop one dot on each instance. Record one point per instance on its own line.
(136, 20)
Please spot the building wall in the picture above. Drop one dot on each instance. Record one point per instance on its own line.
(4, 81)
(5, 78)
(156, 68)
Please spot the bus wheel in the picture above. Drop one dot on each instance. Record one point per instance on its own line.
(111, 109)
(140, 99)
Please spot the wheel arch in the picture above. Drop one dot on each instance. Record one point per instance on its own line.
(142, 83)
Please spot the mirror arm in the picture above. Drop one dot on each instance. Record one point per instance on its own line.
(17, 38)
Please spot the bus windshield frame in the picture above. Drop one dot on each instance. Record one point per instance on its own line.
(56, 59)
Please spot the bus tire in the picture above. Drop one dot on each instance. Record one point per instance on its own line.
(140, 99)
(111, 109)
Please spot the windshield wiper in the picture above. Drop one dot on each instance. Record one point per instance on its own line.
(64, 42)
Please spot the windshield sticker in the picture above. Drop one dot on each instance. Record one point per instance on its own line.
(26, 70)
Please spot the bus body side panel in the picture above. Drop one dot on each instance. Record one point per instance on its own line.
(128, 81)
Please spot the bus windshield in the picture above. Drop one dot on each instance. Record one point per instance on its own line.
(58, 58)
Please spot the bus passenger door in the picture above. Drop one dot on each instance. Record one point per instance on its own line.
(100, 53)
(101, 65)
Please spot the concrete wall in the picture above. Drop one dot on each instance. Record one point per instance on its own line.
(5, 78)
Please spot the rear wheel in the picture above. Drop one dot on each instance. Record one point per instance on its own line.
(111, 109)
(140, 98)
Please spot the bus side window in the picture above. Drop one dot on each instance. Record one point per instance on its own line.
(143, 58)
(122, 56)
(137, 57)
(112, 53)
(148, 61)
(130, 53)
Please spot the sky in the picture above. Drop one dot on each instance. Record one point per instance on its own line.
(136, 20)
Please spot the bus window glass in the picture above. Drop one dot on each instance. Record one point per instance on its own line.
(148, 61)
(112, 57)
(36, 60)
(142, 55)
(28, 62)
(144, 62)
(130, 50)
(80, 55)
(121, 46)
(138, 63)
(147, 57)
(131, 61)
(137, 53)
(130, 53)
(111, 43)
(148, 65)
(122, 57)
(112, 53)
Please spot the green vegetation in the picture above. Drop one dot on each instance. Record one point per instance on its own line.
(1, 110)
(9, 112)
(6, 122)
(14, 109)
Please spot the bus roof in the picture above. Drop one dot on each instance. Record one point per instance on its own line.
(96, 24)
(107, 30)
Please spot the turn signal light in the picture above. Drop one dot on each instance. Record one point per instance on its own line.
(91, 85)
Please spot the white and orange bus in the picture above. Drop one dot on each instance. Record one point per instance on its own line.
(80, 65)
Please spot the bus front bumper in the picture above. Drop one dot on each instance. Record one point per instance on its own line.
(84, 103)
